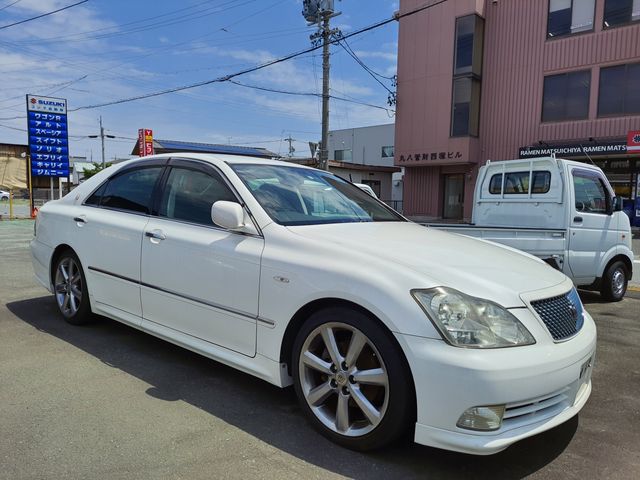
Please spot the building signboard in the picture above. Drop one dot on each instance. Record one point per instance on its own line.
(145, 142)
(633, 141)
(574, 150)
(48, 136)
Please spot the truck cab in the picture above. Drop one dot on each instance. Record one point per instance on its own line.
(562, 211)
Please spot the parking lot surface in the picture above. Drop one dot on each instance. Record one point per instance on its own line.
(107, 401)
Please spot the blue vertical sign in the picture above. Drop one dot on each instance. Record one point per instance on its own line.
(48, 136)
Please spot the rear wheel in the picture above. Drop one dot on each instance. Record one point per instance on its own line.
(614, 282)
(352, 380)
(70, 289)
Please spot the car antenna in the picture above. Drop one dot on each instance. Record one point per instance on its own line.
(587, 155)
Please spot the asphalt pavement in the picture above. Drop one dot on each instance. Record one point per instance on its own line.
(107, 401)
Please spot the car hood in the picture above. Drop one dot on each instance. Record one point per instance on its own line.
(475, 267)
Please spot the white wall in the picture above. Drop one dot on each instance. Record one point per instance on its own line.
(365, 143)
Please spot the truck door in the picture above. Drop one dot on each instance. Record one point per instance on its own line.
(592, 229)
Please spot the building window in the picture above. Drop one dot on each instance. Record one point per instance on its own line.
(570, 16)
(467, 75)
(621, 12)
(387, 152)
(566, 96)
(619, 93)
(469, 41)
(342, 155)
(466, 107)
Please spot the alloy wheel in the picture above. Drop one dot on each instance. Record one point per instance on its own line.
(344, 379)
(68, 287)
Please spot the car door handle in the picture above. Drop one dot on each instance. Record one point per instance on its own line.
(156, 234)
(80, 219)
(577, 219)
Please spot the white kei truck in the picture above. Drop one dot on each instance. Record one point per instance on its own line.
(563, 212)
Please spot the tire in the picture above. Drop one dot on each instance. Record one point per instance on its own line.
(70, 289)
(358, 410)
(614, 282)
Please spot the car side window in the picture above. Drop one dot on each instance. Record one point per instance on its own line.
(591, 194)
(131, 190)
(189, 195)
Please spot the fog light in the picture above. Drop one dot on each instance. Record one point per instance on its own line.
(482, 418)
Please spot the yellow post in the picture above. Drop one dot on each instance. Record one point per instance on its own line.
(10, 204)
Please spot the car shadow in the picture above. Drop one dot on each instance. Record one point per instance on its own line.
(272, 414)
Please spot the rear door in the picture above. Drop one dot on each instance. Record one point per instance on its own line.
(591, 231)
(198, 278)
(107, 236)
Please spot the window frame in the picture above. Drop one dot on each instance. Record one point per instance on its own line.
(566, 75)
(205, 167)
(571, 34)
(160, 185)
(626, 88)
(194, 167)
(631, 21)
(531, 173)
(335, 157)
(597, 178)
(392, 147)
(158, 162)
(474, 75)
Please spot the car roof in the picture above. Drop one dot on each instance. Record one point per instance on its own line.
(229, 159)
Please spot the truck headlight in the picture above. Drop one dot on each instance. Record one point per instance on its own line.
(466, 321)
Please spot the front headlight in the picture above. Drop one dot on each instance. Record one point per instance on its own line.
(466, 321)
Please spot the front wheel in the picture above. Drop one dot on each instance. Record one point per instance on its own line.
(614, 282)
(352, 380)
(70, 287)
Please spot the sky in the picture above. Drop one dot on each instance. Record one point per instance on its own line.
(106, 50)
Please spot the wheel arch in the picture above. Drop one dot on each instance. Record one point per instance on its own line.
(622, 258)
(59, 250)
(304, 312)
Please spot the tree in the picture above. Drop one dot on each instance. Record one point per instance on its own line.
(96, 168)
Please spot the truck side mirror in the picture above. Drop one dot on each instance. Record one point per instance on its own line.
(616, 204)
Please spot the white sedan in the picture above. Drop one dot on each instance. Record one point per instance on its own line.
(298, 277)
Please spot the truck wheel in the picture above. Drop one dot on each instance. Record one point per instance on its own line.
(351, 379)
(70, 287)
(614, 282)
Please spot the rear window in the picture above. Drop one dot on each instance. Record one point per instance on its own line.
(130, 191)
(518, 183)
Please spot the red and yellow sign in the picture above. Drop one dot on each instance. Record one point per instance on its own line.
(145, 142)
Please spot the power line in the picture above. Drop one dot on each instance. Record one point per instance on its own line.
(227, 78)
(353, 54)
(9, 5)
(308, 94)
(43, 15)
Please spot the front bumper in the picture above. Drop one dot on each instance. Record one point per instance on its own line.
(542, 386)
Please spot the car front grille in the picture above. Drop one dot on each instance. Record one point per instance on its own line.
(563, 315)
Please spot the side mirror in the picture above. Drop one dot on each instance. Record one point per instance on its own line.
(616, 204)
(229, 215)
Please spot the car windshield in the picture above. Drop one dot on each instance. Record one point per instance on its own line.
(302, 196)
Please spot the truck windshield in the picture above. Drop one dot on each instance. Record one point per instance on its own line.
(301, 196)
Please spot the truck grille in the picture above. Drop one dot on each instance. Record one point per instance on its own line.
(563, 315)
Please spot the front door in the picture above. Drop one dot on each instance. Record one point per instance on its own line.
(198, 278)
(453, 196)
(592, 231)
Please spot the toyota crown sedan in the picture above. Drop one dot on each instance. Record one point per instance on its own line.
(384, 327)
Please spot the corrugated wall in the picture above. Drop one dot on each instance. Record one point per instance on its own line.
(518, 56)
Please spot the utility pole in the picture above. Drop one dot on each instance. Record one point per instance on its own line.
(320, 12)
(102, 136)
(326, 66)
(290, 141)
(102, 140)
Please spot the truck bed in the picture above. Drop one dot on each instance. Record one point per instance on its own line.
(549, 244)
